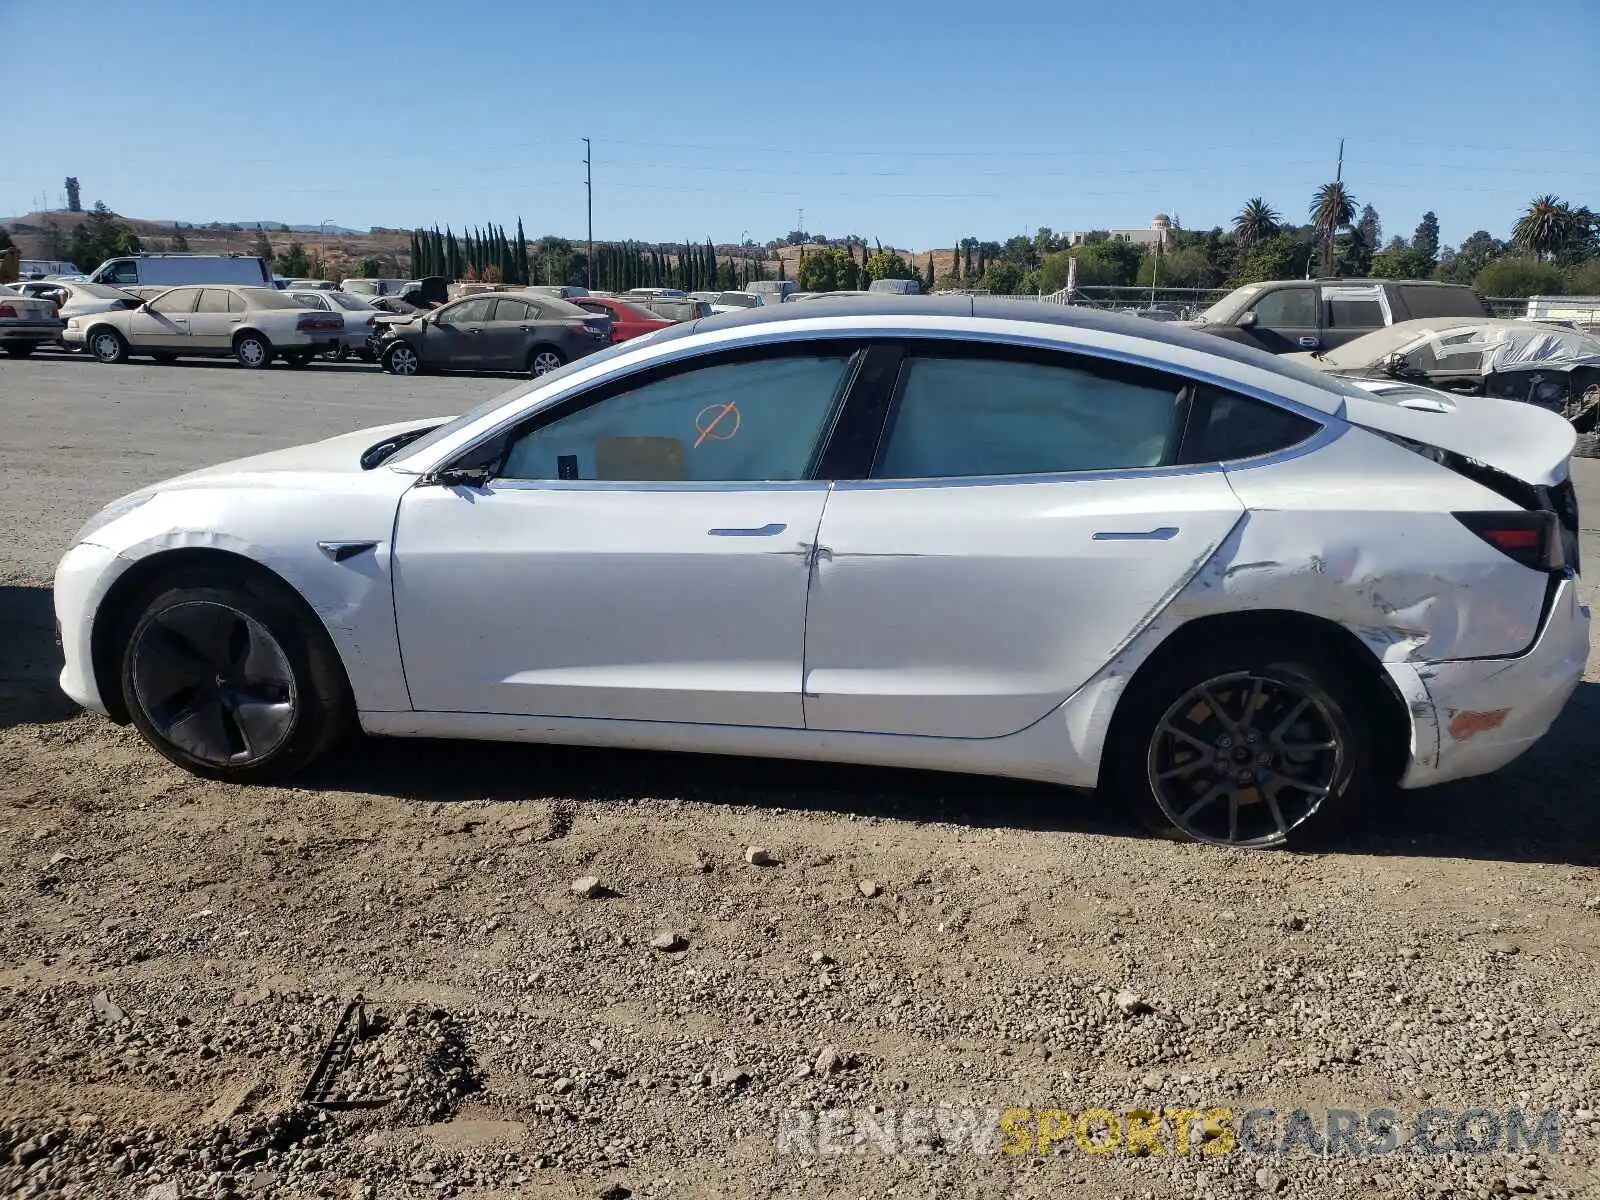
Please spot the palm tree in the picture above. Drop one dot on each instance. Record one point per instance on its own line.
(1256, 222)
(1547, 223)
(1332, 208)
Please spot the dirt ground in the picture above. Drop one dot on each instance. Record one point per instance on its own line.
(180, 953)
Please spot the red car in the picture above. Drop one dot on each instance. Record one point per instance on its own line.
(627, 320)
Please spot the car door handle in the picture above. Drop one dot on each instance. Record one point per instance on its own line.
(772, 530)
(1308, 343)
(1162, 533)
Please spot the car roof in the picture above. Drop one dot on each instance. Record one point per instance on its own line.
(1034, 312)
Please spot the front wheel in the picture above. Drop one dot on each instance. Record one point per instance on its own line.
(252, 350)
(1243, 744)
(400, 359)
(20, 349)
(229, 677)
(543, 361)
(108, 346)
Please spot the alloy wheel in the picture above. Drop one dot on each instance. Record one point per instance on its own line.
(1244, 758)
(214, 682)
(544, 362)
(252, 353)
(403, 361)
(107, 347)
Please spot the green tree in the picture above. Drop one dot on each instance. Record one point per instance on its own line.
(1370, 226)
(1546, 224)
(830, 270)
(1284, 256)
(261, 246)
(74, 195)
(1256, 221)
(1407, 263)
(1466, 263)
(179, 242)
(1332, 208)
(1583, 279)
(1518, 276)
(886, 264)
(1002, 279)
(294, 263)
(1426, 239)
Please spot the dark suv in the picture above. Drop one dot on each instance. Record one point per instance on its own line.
(1319, 314)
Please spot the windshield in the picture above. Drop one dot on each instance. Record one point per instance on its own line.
(738, 300)
(1228, 303)
(349, 303)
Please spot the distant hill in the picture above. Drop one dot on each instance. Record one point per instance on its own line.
(277, 227)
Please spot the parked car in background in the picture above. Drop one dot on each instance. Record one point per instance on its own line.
(736, 300)
(311, 285)
(27, 322)
(76, 301)
(895, 287)
(39, 268)
(361, 320)
(1548, 366)
(651, 293)
(773, 289)
(251, 324)
(500, 331)
(1286, 316)
(561, 291)
(391, 304)
(708, 297)
(628, 320)
(376, 287)
(793, 533)
(673, 309)
(174, 270)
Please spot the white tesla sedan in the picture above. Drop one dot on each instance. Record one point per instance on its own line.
(954, 533)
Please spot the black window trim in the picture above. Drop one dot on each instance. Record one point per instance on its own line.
(491, 451)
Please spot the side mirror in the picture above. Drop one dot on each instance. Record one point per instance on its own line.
(1246, 321)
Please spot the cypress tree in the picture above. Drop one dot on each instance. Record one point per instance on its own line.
(522, 254)
(711, 265)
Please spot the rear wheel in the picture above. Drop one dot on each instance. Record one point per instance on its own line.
(544, 360)
(228, 676)
(20, 349)
(108, 346)
(252, 350)
(400, 359)
(1246, 744)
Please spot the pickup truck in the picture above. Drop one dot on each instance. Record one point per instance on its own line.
(1291, 316)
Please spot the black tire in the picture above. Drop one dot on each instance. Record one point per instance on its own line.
(400, 359)
(544, 359)
(206, 689)
(19, 349)
(164, 358)
(366, 356)
(253, 350)
(1211, 783)
(107, 345)
(298, 358)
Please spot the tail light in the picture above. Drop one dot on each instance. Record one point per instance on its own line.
(1531, 538)
(7, 310)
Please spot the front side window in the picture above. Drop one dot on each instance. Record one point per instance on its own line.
(468, 312)
(735, 421)
(962, 417)
(1287, 308)
(179, 300)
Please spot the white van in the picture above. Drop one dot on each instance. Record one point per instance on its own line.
(171, 270)
(774, 289)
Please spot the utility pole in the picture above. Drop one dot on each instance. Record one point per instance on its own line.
(1338, 177)
(588, 187)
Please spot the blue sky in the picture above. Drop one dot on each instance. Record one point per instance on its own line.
(913, 121)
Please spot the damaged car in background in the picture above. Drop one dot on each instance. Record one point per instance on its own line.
(1551, 366)
(953, 533)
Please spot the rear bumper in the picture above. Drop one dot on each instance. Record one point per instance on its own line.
(18, 330)
(1474, 716)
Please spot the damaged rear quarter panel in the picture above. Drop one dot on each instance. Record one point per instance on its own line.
(278, 525)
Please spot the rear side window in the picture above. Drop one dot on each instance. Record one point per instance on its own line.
(963, 417)
(1354, 314)
(1224, 426)
(213, 300)
(513, 310)
(1440, 301)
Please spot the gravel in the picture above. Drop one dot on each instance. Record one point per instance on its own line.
(179, 954)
